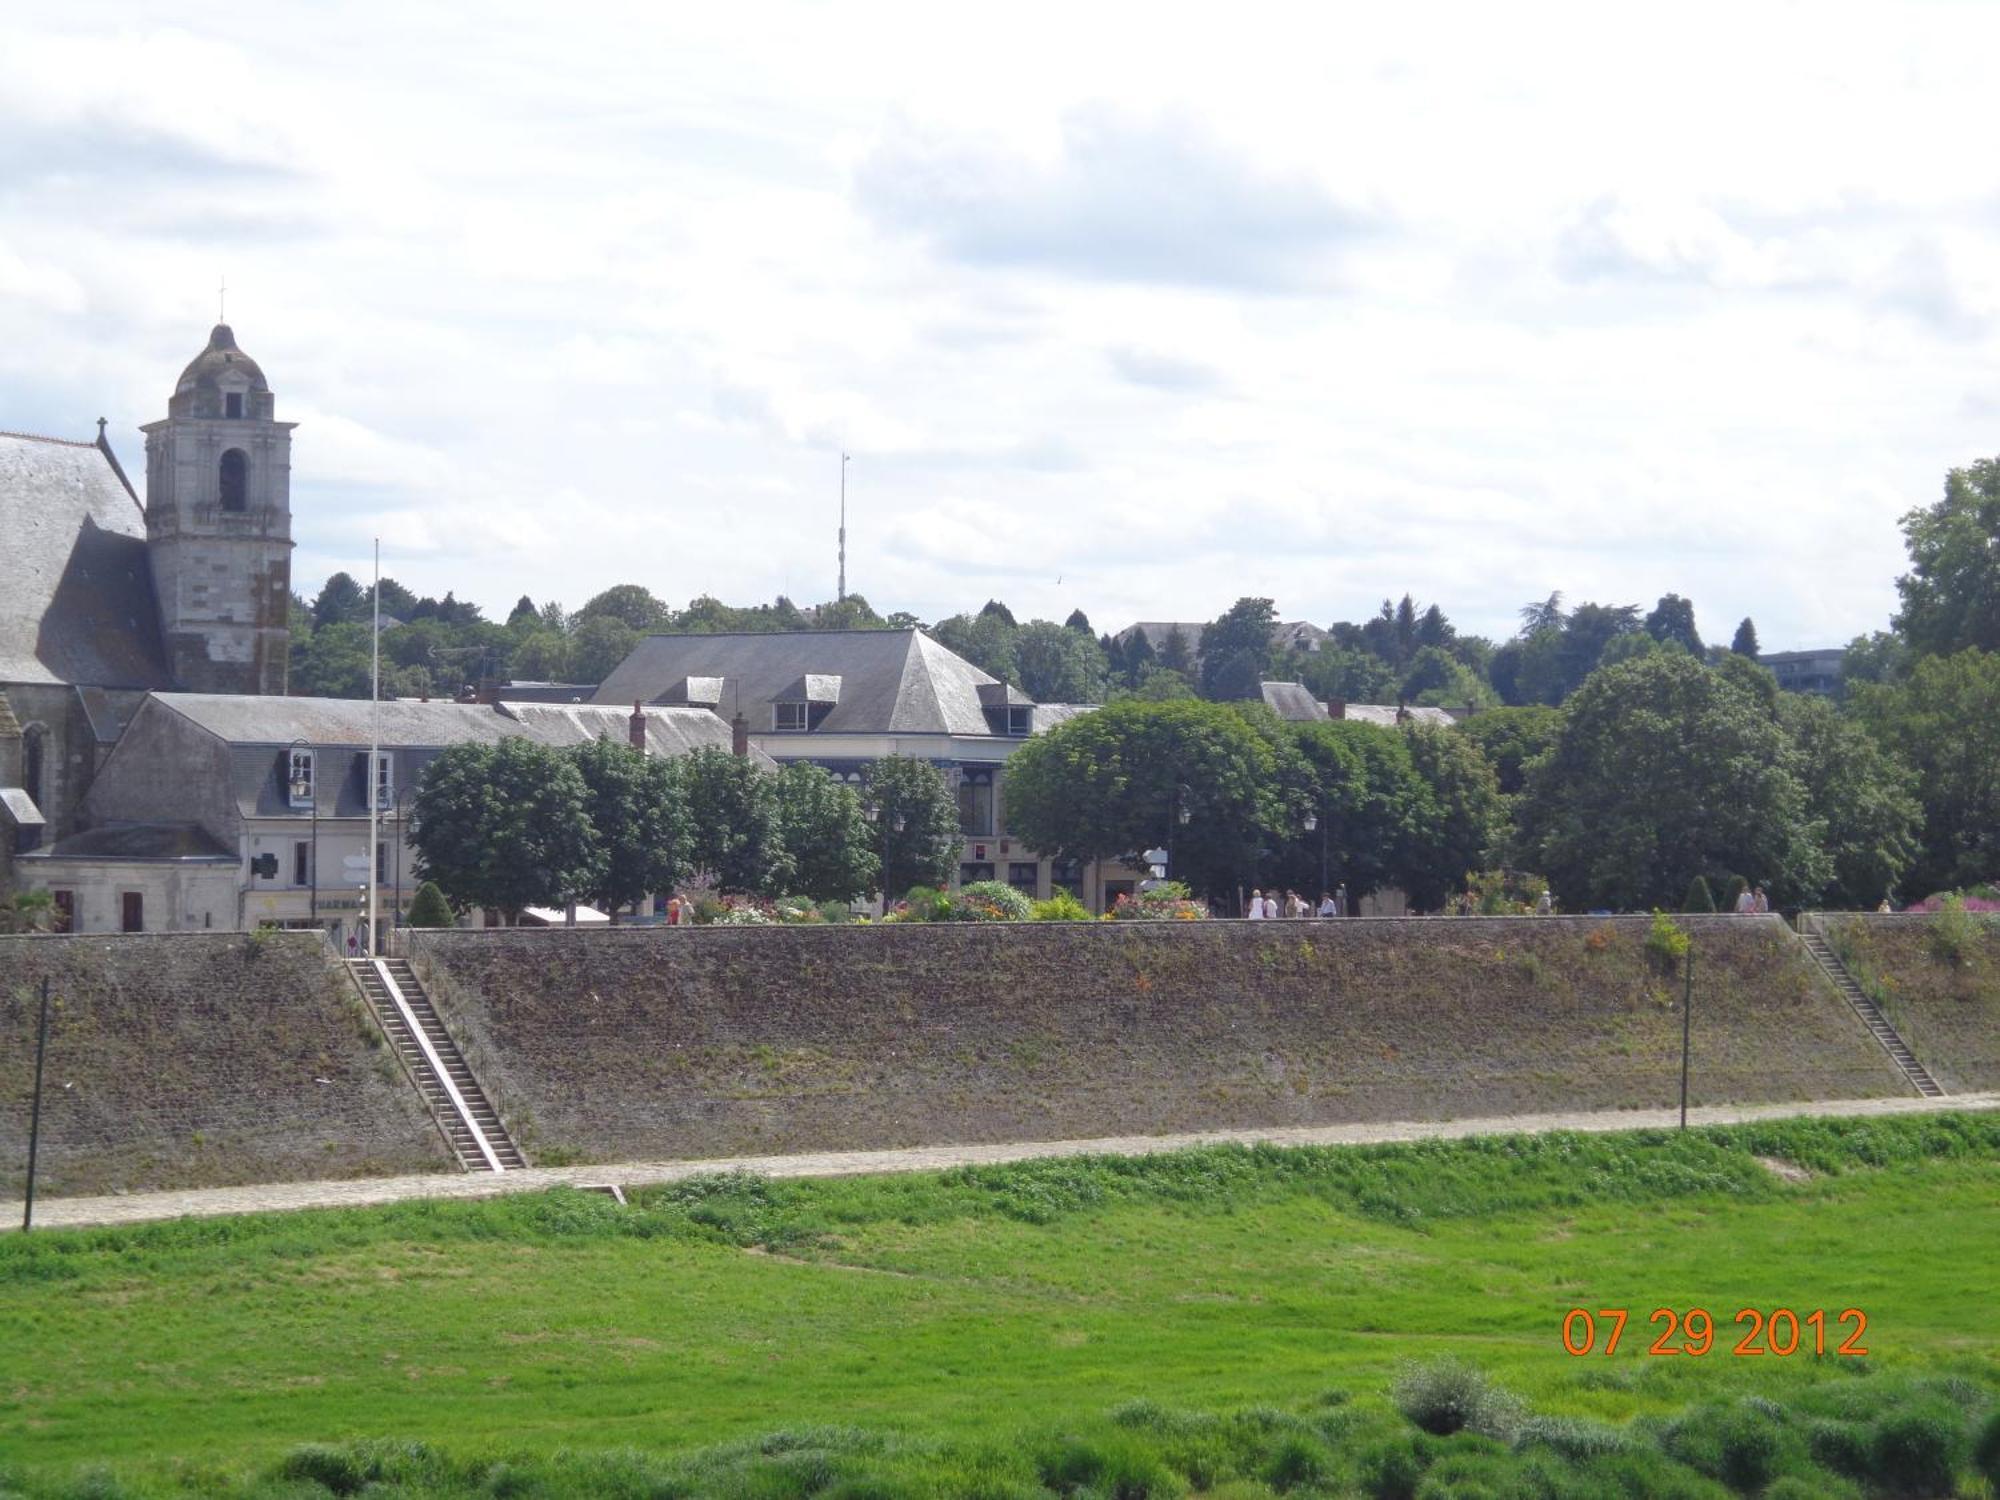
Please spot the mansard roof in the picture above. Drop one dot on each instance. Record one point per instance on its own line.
(76, 589)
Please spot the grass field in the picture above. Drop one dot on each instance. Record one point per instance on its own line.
(990, 1310)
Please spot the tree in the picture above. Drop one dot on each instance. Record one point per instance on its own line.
(1672, 622)
(1371, 804)
(505, 826)
(985, 639)
(635, 803)
(28, 911)
(1587, 633)
(1236, 651)
(1176, 653)
(1943, 721)
(1699, 897)
(1880, 656)
(1111, 784)
(1059, 665)
(1951, 595)
(598, 645)
(925, 850)
(1510, 738)
(732, 811)
(339, 602)
(1744, 642)
(826, 835)
(542, 657)
(524, 616)
(333, 663)
(994, 609)
(1464, 816)
(1439, 679)
(628, 603)
(1664, 770)
(1760, 683)
(1349, 675)
(1158, 684)
(1863, 795)
(428, 908)
(1078, 621)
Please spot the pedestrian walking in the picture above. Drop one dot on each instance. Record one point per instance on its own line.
(1256, 912)
(1545, 905)
(1746, 902)
(1327, 906)
(1340, 906)
(1763, 903)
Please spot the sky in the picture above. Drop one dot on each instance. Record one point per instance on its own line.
(1134, 309)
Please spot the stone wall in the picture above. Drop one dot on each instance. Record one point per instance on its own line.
(1943, 1000)
(188, 1060)
(712, 1041)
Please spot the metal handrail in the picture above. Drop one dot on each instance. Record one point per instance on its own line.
(437, 1064)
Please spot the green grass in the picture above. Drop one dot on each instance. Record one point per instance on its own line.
(981, 1311)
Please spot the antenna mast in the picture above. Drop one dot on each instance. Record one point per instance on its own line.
(841, 598)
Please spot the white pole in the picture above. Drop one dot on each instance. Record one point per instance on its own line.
(841, 598)
(374, 749)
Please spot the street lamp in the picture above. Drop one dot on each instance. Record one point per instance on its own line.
(1312, 821)
(302, 782)
(895, 823)
(1182, 816)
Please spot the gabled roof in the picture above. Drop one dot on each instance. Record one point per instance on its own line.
(325, 722)
(891, 681)
(1293, 702)
(76, 589)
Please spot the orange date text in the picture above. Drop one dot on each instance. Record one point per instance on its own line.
(1756, 1333)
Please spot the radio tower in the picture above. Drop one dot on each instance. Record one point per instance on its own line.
(841, 597)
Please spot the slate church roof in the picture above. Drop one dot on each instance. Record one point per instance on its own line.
(76, 590)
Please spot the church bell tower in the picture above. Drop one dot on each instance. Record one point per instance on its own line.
(219, 525)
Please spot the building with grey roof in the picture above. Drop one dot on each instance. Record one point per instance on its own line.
(1294, 702)
(104, 598)
(844, 699)
(225, 811)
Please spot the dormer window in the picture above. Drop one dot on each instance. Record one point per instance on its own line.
(232, 404)
(385, 786)
(299, 778)
(791, 716)
(1020, 719)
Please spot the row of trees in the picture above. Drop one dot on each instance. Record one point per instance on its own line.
(517, 824)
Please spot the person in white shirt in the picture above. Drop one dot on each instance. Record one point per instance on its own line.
(1270, 908)
(1327, 908)
(1257, 906)
(1746, 902)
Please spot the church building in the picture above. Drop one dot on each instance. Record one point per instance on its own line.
(105, 597)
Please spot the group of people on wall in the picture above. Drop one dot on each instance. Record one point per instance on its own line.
(1270, 908)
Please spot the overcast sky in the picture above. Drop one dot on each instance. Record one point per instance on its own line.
(1138, 310)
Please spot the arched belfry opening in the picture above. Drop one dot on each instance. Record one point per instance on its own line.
(235, 481)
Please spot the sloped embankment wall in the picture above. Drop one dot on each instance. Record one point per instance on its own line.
(196, 1060)
(1939, 985)
(715, 1041)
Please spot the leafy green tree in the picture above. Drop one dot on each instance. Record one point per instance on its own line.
(1633, 647)
(1760, 683)
(986, 640)
(1943, 721)
(1439, 679)
(1079, 621)
(1880, 656)
(631, 605)
(925, 850)
(1545, 615)
(1236, 651)
(524, 616)
(732, 811)
(1372, 805)
(428, 908)
(334, 662)
(1349, 675)
(597, 645)
(1509, 738)
(1866, 799)
(828, 840)
(542, 657)
(635, 803)
(1588, 631)
(1951, 595)
(1744, 642)
(1158, 684)
(851, 613)
(994, 609)
(1176, 653)
(339, 602)
(1464, 817)
(1672, 622)
(1664, 770)
(1109, 784)
(1059, 665)
(505, 826)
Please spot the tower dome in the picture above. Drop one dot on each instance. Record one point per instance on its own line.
(220, 371)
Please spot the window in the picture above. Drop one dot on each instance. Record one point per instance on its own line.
(232, 404)
(969, 872)
(65, 910)
(1025, 878)
(385, 785)
(132, 911)
(235, 478)
(1020, 719)
(302, 870)
(790, 716)
(299, 778)
(34, 745)
(975, 804)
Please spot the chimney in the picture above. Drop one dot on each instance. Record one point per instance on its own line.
(1336, 708)
(636, 728)
(739, 734)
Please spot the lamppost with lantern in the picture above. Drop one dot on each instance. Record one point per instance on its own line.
(1309, 823)
(895, 823)
(1182, 815)
(302, 784)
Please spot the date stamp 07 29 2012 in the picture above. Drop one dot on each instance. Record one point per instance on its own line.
(1780, 1332)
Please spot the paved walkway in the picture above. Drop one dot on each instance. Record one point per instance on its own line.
(135, 1208)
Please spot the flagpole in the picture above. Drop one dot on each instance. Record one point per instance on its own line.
(369, 781)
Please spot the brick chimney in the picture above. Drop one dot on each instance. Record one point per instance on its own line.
(739, 734)
(635, 731)
(1336, 708)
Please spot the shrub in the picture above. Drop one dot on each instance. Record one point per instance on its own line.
(1916, 1451)
(1954, 932)
(1699, 897)
(1666, 942)
(1113, 1469)
(1168, 901)
(1572, 1437)
(1061, 907)
(1986, 1451)
(991, 901)
(1448, 1395)
(1390, 1470)
(925, 904)
(429, 908)
(1299, 1461)
(1840, 1446)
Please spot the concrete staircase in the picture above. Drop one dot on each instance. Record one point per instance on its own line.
(464, 1115)
(1870, 1013)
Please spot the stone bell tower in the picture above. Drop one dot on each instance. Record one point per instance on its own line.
(219, 525)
